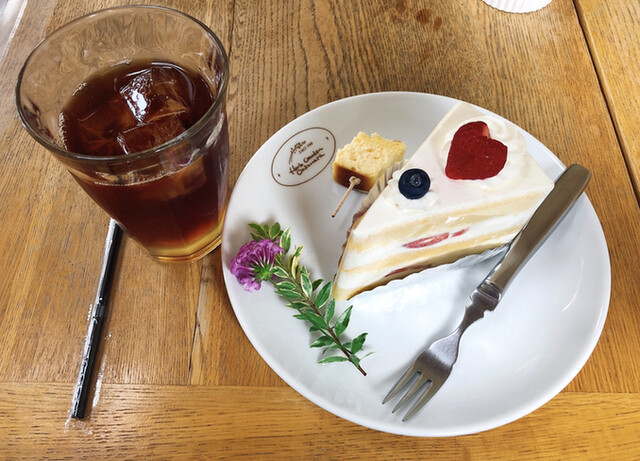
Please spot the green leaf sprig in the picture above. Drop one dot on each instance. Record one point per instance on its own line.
(311, 299)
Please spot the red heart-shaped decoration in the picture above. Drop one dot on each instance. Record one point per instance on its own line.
(473, 154)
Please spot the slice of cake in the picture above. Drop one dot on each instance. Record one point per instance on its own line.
(364, 158)
(470, 187)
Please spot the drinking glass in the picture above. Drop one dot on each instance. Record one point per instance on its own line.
(169, 197)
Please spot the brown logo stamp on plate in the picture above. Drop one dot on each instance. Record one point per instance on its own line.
(303, 156)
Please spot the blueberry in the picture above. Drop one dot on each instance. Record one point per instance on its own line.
(414, 183)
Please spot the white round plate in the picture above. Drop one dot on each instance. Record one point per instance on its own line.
(511, 362)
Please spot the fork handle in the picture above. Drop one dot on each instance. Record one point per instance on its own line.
(553, 208)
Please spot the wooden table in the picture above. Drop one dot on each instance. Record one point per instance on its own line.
(177, 377)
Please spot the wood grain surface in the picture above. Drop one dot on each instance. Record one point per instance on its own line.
(177, 377)
(220, 422)
(612, 30)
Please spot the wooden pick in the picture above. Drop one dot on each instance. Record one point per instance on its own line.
(353, 182)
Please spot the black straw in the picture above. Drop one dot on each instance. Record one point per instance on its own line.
(92, 341)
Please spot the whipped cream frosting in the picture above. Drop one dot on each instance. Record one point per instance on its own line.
(447, 194)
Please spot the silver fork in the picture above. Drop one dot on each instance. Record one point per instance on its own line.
(433, 366)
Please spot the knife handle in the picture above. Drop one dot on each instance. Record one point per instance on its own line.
(553, 208)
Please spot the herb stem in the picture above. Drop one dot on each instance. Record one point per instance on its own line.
(335, 338)
(329, 331)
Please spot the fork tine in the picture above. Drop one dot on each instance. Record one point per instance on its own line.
(411, 371)
(424, 398)
(422, 379)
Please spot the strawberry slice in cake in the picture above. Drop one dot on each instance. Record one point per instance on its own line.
(470, 187)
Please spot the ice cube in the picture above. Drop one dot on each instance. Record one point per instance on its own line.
(94, 132)
(156, 92)
(150, 134)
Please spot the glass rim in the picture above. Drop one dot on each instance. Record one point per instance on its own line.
(143, 154)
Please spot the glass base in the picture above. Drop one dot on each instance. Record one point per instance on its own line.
(197, 250)
(190, 257)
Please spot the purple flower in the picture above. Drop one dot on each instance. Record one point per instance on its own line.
(254, 263)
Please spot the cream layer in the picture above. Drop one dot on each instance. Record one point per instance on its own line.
(398, 254)
(396, 261)
(431, 224)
